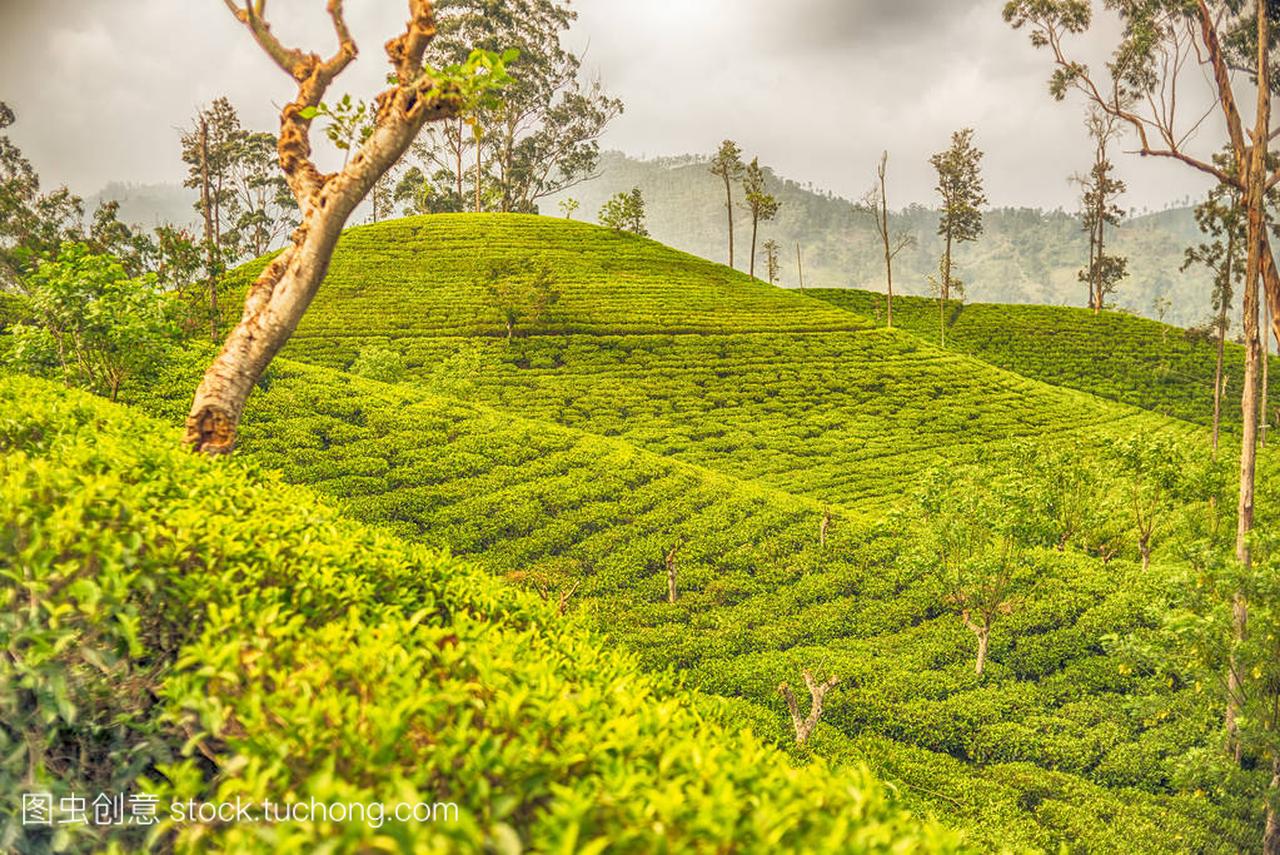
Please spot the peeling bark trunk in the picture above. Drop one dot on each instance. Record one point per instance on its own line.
(804, 725)
(983, 633)
(1271, 835)
(671, 573)
(282, 292)
(755, 227)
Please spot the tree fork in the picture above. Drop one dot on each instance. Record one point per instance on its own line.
(804, 725)
(282, 292)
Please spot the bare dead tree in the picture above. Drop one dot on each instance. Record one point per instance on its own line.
(876, 203)
(817, 693)
(276, 301)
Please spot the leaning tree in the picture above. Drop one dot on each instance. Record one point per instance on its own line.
(277, 299)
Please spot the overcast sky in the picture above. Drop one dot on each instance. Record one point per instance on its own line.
(816, 88)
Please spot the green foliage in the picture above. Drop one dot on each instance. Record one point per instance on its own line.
(174, 608)
(625, 213)
(92, 323)
(379, 363)
(520, 293)
(960, 187)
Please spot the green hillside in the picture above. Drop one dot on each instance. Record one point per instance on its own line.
(1033, 755)
(671, 417)
(422, 276)
(1112, 355)
(580, 459)
(309, 657)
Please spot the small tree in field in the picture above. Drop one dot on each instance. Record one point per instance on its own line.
(276, 301)
(976, 537)
(960, 186)
(804, 725)
(568, 206)
(1151, 470)
(519, 294)
(772, 266)
(727, 165)
(760, 204)
(624, 212)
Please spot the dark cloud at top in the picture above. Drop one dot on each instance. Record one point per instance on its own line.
(816, 88)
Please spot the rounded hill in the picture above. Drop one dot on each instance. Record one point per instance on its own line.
(424, 276)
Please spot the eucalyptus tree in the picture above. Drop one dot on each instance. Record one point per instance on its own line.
(542, 137)
(1227, 47)
(281, 293)
(960, 186)
(32, 224)
(1221, 218)
(1098, 210)
(760, 204)
(727, 165)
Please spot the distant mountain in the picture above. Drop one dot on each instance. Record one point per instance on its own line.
(1025, 255)
(148, 205)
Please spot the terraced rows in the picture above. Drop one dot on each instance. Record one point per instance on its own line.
(1054, 738)
(845, 417)
(1112, 355)
(421, 276)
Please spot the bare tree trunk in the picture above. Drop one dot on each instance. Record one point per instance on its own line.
(817, 692)
(209, 241)
(282, 292)
(1256, 175)
(671, 573)
(800, 265)
(1271, 835)
(884, 236)
(755, 225)
(479, 156)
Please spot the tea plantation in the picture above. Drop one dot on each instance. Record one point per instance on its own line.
(308, 656)
(1112, 355)
(1057, 744)
(709, 481)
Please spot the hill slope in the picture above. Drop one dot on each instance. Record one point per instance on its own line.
(1112, 355)
(760, 599)
(818, 405)
(171, 603)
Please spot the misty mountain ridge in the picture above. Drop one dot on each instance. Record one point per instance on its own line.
(1025, 255)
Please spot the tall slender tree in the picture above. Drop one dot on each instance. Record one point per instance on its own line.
(760, 204)
(727, 165)
(1098, 210)
(960, 186)
(1143, 85)
(1220, 217)
(876, 203)
(772, 266)
(277, 299)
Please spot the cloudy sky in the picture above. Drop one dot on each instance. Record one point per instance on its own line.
(816, 88)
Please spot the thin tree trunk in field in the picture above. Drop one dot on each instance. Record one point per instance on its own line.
(800, 265)
(1254, 272)
(755, 225)
(888, 254)
(209, 240)
(1271, 834)
(276, 301)
(728, 206)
